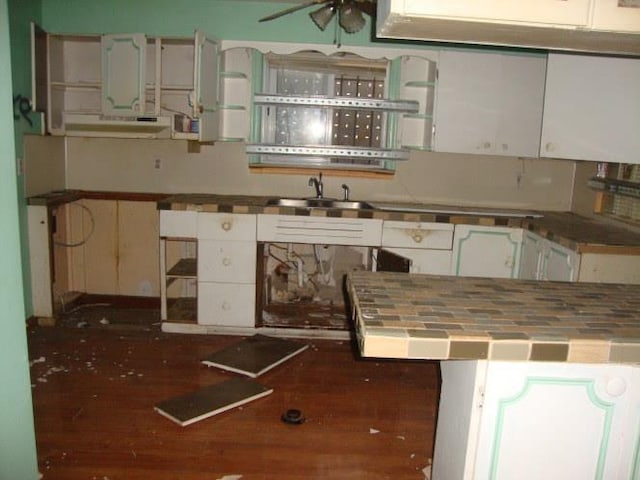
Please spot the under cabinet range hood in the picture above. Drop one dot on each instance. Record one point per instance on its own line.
(97, 125)
(597, 26)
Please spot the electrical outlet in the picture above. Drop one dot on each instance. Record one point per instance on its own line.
(157, 164)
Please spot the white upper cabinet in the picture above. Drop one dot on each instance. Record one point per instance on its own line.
(616, 15)
(236, 93)
(489, 103)
(417, 83)
(603, 26)
(592, 109)
(123, 74)
(130, 85)
(206, 86)
(554, 12)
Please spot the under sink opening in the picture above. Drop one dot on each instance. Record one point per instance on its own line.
(302, 285)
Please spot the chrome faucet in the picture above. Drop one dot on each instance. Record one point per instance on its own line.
(317, 184)
(345, 190)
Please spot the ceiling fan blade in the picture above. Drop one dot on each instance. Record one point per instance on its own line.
(366, 6)
(291, 10)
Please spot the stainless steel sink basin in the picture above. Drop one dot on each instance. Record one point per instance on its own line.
(319, 203)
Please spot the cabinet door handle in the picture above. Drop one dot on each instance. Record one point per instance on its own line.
(549, 147)
(226, 226)
(616, 386)
(226, 306)
(226, 261)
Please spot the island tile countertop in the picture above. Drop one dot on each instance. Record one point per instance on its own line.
(411, 316)
(575, 232)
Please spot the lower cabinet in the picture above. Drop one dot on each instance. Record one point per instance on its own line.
(208, 268)
(608, 268)
(427, 246)
(178, 266)
(542, 259)
(226, 304)
(226, 283)
(480, 251)
(558, 421)
(535, 420)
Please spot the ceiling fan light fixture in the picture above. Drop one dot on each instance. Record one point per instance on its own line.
(323, 16)
(351, 18)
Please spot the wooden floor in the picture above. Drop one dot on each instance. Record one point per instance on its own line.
(94, 391)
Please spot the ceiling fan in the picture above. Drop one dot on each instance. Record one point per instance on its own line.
(350, 13)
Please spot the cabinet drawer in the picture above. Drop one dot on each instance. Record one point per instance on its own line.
(178, 223)
(417, 235)
(228, 305)
(226, 226)
(220, 261)
(319, 230)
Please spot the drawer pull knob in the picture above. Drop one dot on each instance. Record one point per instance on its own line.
(616, 386)
(417, 237)
(226, 226)
(226, 261)
(226, 306)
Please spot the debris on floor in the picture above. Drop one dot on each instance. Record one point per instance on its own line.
(427, 470)
(211, 400)
(251, 356)
(37, 360)
(255, 355)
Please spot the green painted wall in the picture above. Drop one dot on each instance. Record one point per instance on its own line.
(224, 19)
(17, 438)
(21, 14)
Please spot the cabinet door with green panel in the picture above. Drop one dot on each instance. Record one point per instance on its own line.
(482, 251)
(542, 259)
(123, 74)
(558, 420)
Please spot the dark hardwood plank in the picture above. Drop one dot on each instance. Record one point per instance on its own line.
(95, 389)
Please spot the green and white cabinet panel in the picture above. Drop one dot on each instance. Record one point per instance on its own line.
(542, 259)
(480, 251)
(123, 74)
(531, 420)
(556, 420)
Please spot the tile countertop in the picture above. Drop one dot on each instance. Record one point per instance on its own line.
(410, 316)
(575, 232)
(578, 233)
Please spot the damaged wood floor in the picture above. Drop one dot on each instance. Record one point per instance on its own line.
(94, 391)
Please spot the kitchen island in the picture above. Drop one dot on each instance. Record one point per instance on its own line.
(539, 379)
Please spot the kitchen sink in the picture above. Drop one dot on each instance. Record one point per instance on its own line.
(319, 203)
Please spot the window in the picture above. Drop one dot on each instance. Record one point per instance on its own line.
(325, 111)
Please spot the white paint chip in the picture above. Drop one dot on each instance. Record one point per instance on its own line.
(427, 472)
(37, 360)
